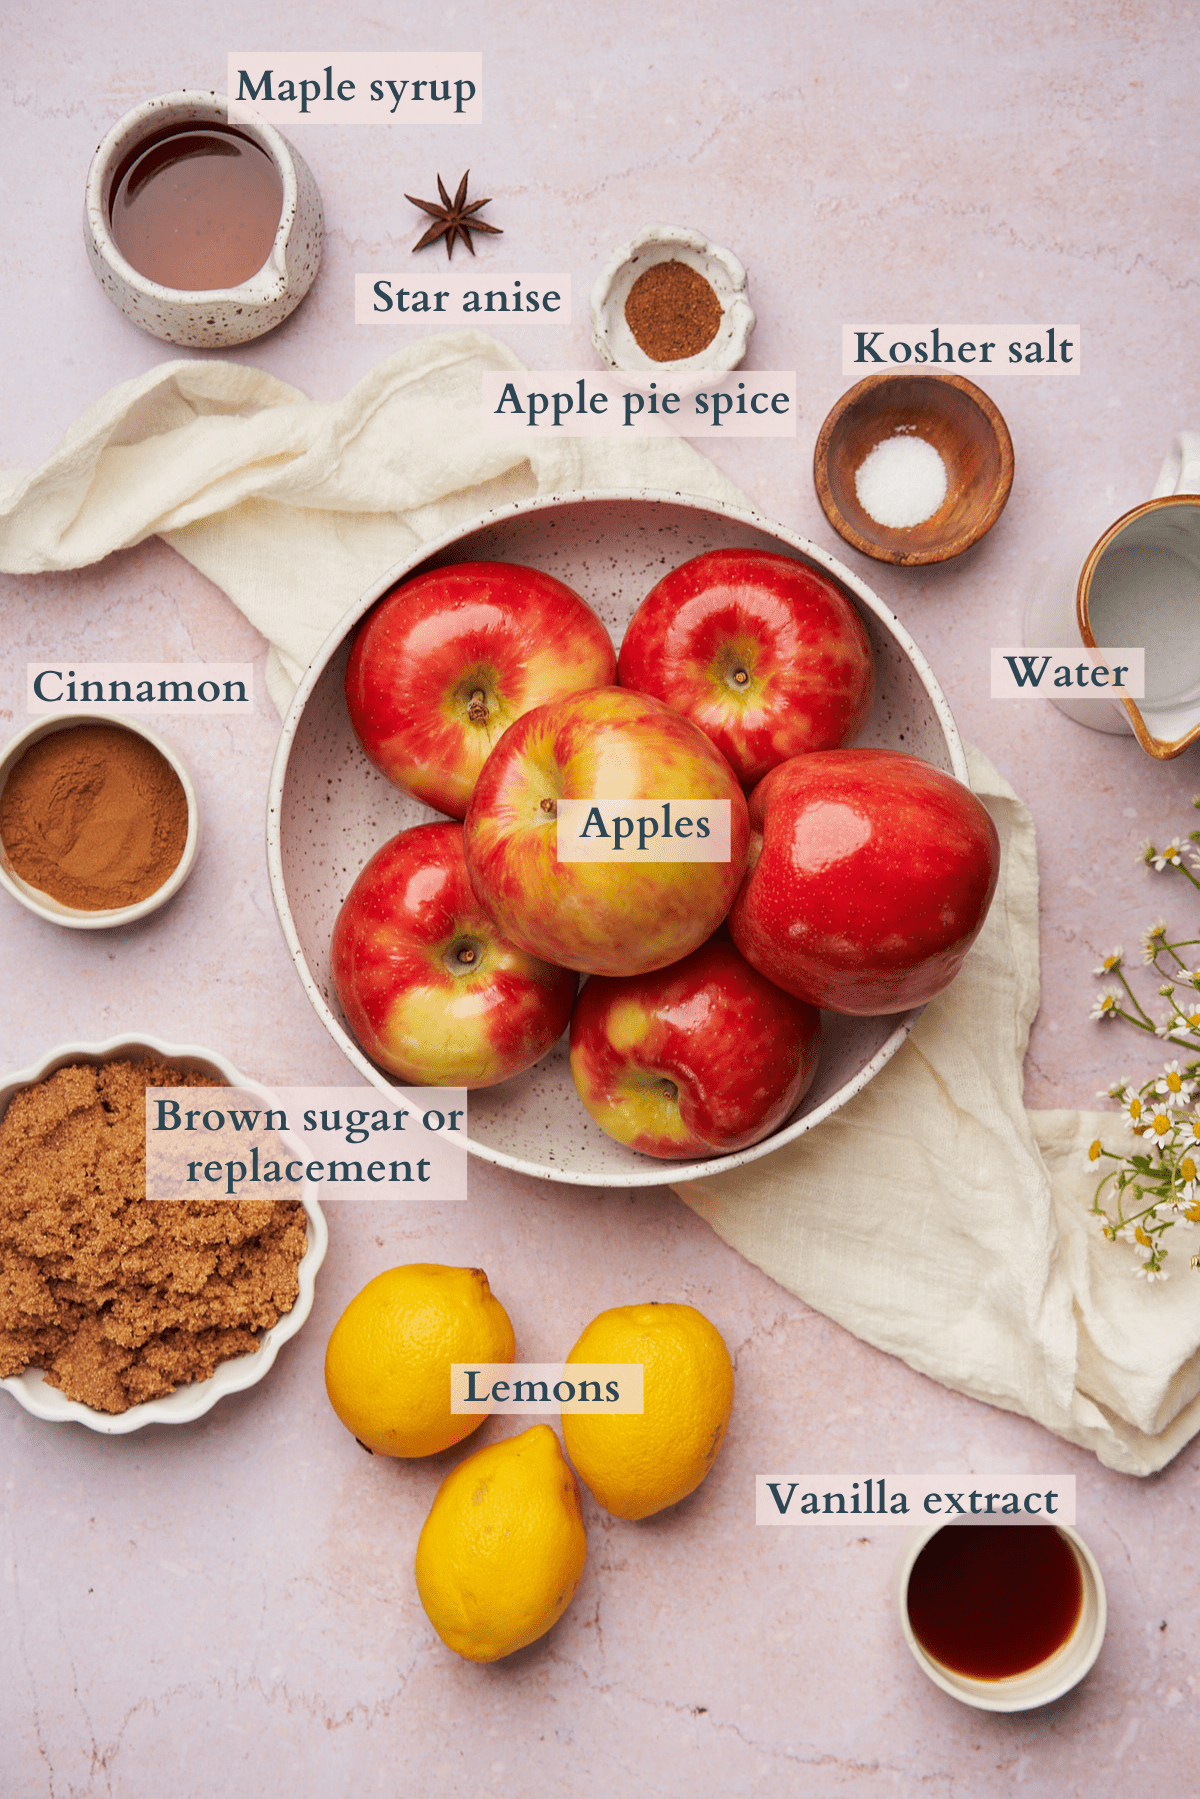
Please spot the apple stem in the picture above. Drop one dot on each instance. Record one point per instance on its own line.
(741, 676)
(550, 808)
(477, 710)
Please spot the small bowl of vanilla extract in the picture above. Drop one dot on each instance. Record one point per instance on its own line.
(203, 233)
(1004, 1617)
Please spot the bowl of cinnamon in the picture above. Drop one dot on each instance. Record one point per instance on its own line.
(99, 823)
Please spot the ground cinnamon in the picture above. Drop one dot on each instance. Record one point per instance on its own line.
(118, 1298)
(94, 816)
(672, 311)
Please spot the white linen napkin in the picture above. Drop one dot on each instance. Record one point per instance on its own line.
(932, 1216)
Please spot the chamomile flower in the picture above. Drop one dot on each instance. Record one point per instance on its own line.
(1149, 1273)
(1118, 1090)
(1135, 1113)
(1106, 1003)
(1111, 961)
(1170, 857)
(1173, 1086)
(1156, 936)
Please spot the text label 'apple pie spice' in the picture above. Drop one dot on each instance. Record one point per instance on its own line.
(604, 403)
(356, 87)
(970, 350)
(352, 1142)
(883, 1500)
(139, 686)
(1049, 674)
(610, 1388)
(458, 299)
(644, 831)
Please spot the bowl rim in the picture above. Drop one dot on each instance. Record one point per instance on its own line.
(188, 1402)
(953, 546)
(658, 1173)
(102, 919)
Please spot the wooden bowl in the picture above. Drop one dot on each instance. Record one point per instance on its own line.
(963, 426)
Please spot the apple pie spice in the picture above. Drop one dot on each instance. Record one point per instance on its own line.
(672, 311)
(120, 1299)
(94, 816)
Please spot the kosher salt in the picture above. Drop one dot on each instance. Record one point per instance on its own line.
(902, 482)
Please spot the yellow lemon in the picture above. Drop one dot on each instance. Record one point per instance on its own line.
(387, 1366)
(503, 1547)
(637, 1464)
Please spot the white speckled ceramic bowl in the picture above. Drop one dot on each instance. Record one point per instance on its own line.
(31, 1389)
(43, 904)
(329, 810)
(1038, 1685)
(611, 335)
(216, 318)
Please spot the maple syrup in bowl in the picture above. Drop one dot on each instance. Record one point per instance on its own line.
(201, 232)
(197, 208)
(1002, 1616)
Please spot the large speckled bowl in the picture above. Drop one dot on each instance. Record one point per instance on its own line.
(213, 318)
(329, 810)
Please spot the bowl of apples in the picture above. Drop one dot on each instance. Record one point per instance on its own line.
(640, 817)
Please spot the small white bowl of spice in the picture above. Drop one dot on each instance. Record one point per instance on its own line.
(99, 822)
(670, 299)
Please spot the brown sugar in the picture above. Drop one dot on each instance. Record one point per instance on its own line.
(95, 816)
(672, 311)
(120, 1299)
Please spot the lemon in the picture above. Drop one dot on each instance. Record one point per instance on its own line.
(636, 1464)
(387, 1365)
(503, 1547)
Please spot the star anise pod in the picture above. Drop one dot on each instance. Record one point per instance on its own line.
(451, 218)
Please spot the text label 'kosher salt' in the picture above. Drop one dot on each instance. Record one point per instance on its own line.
(814, 1498)
(989, 349)
(1052, 674)
(643, 831)
(601, 1388)
(356, 87)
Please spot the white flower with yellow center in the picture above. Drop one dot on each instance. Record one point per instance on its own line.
(1111, 961)
(1106, 1004)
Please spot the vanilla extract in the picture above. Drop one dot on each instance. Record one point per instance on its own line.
(991, 1600)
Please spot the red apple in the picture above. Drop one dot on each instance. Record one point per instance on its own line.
(445, 663)
(697, 1059)
(869, 877)
(607, 917)
(430, 988)
(764, 653)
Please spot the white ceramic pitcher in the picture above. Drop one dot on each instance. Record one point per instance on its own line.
(1137, 585)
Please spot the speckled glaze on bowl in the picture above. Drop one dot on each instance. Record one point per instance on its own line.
(611, 335)
(214, 318)
(329, 810)
(31, 1389)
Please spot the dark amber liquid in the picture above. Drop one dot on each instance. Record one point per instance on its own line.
(990, 1600)
(197, 208)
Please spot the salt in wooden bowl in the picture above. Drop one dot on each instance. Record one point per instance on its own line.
(963, 426)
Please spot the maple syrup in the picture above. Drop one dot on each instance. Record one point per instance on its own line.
(197, 207)
(994, 1600)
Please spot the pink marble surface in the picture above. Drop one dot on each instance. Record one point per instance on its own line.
(230, 1607)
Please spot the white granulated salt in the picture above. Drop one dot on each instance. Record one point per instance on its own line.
(902, 482)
